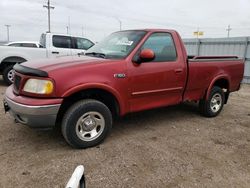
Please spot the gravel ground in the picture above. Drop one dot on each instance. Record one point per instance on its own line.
(167, 147)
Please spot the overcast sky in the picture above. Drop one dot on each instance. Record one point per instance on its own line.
(96, 19)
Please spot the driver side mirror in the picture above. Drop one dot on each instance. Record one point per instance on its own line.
(145, 55)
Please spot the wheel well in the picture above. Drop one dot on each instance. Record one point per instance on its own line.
(224, 85)
(11, 61)
(98, 94)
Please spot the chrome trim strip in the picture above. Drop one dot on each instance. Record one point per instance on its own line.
(156, 91)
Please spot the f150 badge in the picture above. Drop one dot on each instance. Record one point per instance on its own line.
(120, 75)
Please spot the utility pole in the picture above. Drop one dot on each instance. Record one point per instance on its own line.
(8, 32)
(228, 30)
(48, 7)
(197, 34)
(82, 31)
(120, 23)
(198, 42)
(67, 29)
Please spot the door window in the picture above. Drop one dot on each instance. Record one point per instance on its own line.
(30, 45)
(163, 46)
(84, 44)
(15, 44)
(43, 41)
(62, 41)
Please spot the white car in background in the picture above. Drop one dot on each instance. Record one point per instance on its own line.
(28, 44)
(51, 46)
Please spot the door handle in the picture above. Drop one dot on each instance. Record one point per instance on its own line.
(178, 71)
(81, 53)
(55, 52)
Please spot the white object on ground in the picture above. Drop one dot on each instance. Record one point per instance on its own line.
(76, 177)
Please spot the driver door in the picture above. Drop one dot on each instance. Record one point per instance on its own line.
(159, 82)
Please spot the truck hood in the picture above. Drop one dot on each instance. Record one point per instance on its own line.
(50, 65)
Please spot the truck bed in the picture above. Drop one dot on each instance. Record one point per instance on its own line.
(204, 69)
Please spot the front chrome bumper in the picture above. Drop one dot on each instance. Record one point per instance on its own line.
(34, 116)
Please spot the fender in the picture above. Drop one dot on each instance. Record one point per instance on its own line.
(222, 76)
(105, 87)
(10, 56)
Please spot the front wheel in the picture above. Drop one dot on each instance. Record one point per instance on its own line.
(213, 106)
(8, 74)
(86, 123)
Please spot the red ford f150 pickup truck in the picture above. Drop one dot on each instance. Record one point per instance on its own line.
(129, 71)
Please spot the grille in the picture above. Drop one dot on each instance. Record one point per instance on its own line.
(17, 82)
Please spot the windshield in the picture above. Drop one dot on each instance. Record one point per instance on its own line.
(117, 45)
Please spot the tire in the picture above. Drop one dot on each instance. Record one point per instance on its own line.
(213, 106)
(86, 123)
(8, 74)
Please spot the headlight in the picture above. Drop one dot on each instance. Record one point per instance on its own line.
(38, 86)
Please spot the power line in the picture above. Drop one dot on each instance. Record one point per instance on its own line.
(8, 32)
(48, 7)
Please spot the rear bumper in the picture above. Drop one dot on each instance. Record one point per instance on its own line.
(35, 116)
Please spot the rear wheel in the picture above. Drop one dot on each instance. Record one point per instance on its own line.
(86, 123)
(213, 106)
(8, 74)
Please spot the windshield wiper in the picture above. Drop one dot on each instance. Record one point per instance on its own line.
(96, 54)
